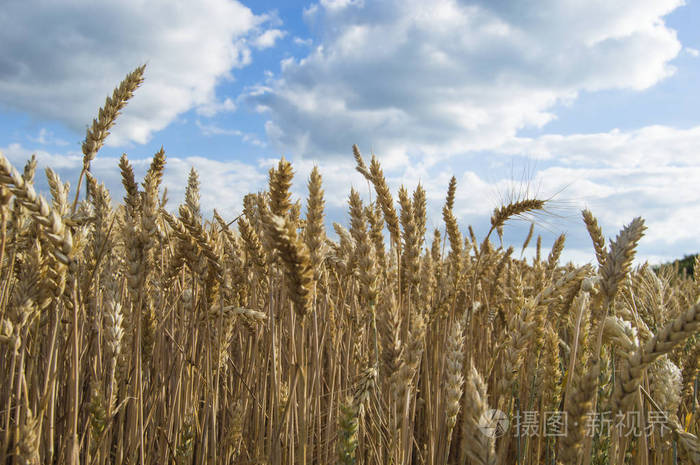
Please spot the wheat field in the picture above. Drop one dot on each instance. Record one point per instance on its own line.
(136, 333)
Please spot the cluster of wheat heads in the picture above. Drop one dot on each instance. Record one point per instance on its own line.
(133, 334)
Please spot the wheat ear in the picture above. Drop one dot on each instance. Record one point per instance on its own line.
(98, 132)
(669, 337)
(477, 440)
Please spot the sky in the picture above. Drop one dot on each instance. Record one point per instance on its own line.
(590, 103)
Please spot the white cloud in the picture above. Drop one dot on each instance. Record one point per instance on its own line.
(46, 137)
(214, 130)
(340, 4)
(443, 78)
(647, 147)
(303, 42)
(651, 172)
(233, 178)
(268, 38)
(84, 49)
(212, 108)
(18, 156)
(693, 52)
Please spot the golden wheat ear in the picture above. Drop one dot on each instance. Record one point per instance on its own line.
(98, 132)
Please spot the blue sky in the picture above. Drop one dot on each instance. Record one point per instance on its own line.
(592, 102)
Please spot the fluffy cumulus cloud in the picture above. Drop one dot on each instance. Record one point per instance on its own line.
(268, 38)
(59, 60)
(450, 76)
(646, 147)
(651, 171)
